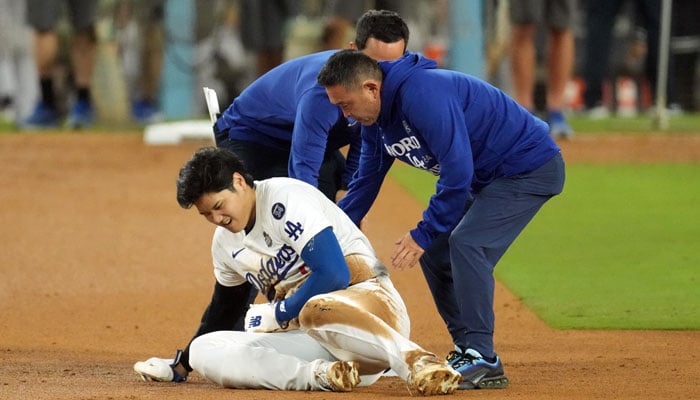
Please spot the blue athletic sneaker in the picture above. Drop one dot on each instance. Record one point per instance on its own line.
(558, 127)
(82, 115)
(43, 116)
(477, 372)
(454, 356)
(144, 112)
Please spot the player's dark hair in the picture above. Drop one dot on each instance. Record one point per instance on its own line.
(349, 68)
(384, 25)
(210, 170)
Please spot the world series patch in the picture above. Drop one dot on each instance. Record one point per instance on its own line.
(278, 210)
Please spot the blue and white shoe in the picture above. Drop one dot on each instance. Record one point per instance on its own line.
(454, 356)
(82, 115)
(42, 117)
(558, 126)
(477, 372)
(145, 113)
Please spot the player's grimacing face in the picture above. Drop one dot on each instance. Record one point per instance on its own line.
(362, 104)
(233, 210)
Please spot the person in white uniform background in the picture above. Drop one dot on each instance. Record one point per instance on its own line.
(333, 314)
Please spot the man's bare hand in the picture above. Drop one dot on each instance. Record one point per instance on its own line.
(406, 253)
(339, 195)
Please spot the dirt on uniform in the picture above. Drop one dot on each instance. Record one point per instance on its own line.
(100, 268)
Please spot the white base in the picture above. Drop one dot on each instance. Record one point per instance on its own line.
(176, 132)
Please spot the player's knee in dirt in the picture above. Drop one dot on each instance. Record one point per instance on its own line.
(322, 310)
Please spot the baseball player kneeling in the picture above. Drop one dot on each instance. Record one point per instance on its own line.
(334, 318)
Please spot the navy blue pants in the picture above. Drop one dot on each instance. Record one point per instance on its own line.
(458, 265)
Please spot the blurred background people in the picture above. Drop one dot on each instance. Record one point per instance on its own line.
(18, 86)
(685, 47)
(262, 29)
(601, 16)
(558, 17)
(222, 61)
(548, 70)
(43, 16)
(139, 34)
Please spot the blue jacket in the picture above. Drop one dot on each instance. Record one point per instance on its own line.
(287, 109)
(453, 125)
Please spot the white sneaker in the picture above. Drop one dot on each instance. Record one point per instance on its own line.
(337, 376)
(430, 376)
(598, 112)
(159, 369)
(7, 114)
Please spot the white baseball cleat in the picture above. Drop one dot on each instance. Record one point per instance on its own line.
(337, 376)
(431, 376)
(159, 369)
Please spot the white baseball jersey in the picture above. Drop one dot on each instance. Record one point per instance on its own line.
(288, 215)
(367, 322)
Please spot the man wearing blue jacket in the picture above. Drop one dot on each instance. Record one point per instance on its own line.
(497, 165)
(283, 125)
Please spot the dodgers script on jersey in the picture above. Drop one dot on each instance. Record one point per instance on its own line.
(286, 220)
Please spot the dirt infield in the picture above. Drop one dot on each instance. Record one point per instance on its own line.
(100, 268)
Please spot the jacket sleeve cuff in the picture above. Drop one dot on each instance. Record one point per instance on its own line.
(421, 238)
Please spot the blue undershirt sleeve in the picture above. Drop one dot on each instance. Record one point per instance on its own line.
(329, 272)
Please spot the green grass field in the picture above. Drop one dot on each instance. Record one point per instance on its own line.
(617, 250)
